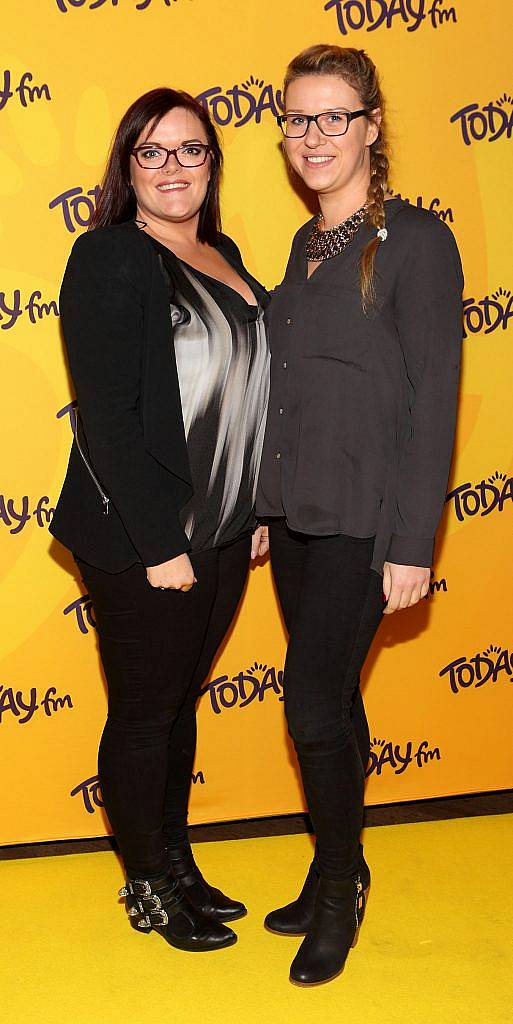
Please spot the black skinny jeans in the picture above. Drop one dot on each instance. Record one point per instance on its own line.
(157, 648)
(332, 603)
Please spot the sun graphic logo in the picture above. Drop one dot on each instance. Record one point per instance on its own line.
(493, 664)
(491, 121)
(243, 103)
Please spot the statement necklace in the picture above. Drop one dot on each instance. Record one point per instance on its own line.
(322, 245)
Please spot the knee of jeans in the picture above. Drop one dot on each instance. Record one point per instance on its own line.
(152, 727)
(308, 728)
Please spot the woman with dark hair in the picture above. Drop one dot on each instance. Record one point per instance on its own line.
(365, 335)
(164, 331)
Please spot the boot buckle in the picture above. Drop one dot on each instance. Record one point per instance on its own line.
(157, 902)
(140, 887)
(163, 917)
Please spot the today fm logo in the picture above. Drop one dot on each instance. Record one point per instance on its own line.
(23, 92)
(241, 103)
(385, 754)
(32, 307)
(76, 205)
(494, 664)
(487, 496)
(64, 6)
(23, 707)
(486, 315)
(370, 15)
(490, 122)
(432, 205)
(244, 687)
(91, 793)
(15, 513)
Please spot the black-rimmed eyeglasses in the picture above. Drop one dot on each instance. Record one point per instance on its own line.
(329, 122)
(192, 155)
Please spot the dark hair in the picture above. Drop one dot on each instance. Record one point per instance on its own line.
(357, 69)
(117, 201)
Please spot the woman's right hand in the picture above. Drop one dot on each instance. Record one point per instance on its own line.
(176, 574)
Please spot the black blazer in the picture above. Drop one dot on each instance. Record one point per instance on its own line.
(128, 473)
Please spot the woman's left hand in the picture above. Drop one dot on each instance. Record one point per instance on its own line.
(404, 585)
(260, 542)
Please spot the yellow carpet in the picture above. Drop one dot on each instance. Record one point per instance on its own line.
(435, 946)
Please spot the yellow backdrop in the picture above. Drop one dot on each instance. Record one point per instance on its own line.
(438, 683)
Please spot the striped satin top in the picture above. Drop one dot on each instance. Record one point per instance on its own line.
(222, 357)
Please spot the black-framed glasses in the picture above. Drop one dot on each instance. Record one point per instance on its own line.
(149, 156)
(329, 122)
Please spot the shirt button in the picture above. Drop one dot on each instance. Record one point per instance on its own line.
(281, 412)
(289, 321)
(278, 455)
(285, 365)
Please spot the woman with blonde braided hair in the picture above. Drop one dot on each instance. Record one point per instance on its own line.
(365, 334)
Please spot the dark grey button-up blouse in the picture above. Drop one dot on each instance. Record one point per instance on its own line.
(362, 408)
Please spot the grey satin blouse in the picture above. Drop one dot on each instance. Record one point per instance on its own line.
(362, 409)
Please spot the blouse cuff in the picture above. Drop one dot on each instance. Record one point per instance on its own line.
(411, 550)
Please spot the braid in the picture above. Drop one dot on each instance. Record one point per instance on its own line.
(358, 70)
(375, 216)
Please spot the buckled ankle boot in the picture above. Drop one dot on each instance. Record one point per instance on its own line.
(161, 906)
(204, 897)
(337, 917)
(296, 917)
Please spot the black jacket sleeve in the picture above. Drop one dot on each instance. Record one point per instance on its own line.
(428, 310)
(102, 312)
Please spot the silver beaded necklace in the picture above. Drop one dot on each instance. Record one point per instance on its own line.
(323, 245)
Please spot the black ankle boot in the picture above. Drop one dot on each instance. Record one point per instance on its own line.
(337, 916)
(204, 897)
(161, 905)
(296, 918)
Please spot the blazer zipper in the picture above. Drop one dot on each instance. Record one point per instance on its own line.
(91, 472)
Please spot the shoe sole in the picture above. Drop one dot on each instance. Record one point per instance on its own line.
(274, 931)
(187, 949)
(197, 949)
(313, 984)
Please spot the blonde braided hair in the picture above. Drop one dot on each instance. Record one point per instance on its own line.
(358, 70)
